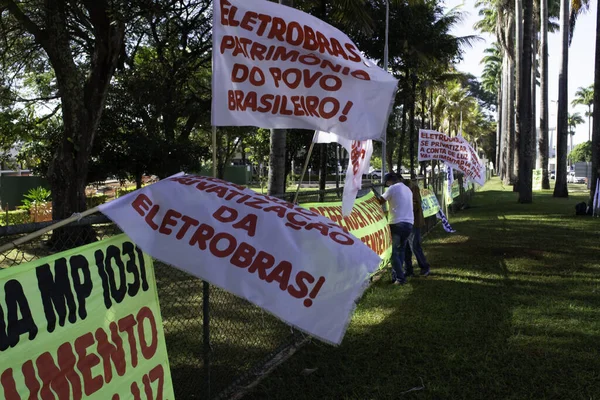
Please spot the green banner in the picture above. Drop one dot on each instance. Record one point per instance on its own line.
(429, 202)
(367, 222)
(455, 191)
(83, 324)
(537, 179)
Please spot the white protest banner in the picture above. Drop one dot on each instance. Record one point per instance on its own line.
(278, 67)
(292, 262)
(454, 151)
(596, 201)
(360, 152)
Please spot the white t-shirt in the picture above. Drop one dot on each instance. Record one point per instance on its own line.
(400, 200)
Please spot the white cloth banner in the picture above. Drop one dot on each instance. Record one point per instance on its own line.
(278, 67)
(455, 151)
(292, 262)
(360, 152)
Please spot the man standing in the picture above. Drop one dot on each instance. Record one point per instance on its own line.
(414, 240)
(401, 220)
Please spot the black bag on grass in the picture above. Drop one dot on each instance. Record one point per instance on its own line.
(580, 208)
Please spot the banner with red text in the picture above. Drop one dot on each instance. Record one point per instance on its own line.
(360, 152)
(278, 67)
(367, 222)
(83, 324)
(290, 261)
(454, 151)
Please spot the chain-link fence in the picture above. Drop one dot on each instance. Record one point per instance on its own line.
(217, 343)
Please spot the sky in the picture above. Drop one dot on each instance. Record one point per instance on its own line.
(581, 58)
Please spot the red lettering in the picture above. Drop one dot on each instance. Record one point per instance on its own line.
(281, 273)
(141, 204)
(169, 220)
(262, 263)
(148, 350)
(126, 324)
(242, 257)
(201, 236)
(303, 279)
(86, 362)
(111, 352)
(248, 224)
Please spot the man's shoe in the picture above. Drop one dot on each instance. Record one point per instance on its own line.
(399, 283)
(425, 273)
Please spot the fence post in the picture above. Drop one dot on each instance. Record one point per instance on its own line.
(206, 334)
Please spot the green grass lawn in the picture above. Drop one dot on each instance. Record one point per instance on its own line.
(512, 311)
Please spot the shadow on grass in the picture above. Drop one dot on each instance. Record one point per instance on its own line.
(512, 311)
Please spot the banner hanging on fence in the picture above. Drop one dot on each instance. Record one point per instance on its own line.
(278, 67)
(429, 202)
(290, 261)
(359, 161)
(367, 222)
(83, 324)
(454, 151)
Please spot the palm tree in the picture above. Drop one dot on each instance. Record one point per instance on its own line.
(560, 188)
(491, 80)
(543, 142)
(567, 25)
(524, 111)
(596, 113)
(572, 121)
(585, 96)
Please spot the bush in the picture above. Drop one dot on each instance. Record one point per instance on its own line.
(17, 217)
(95, 201)
(125, 190)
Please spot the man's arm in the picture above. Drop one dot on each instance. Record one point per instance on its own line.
(379, 197)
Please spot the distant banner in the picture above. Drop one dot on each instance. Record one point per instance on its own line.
(454, 192)
(367, 222)
(537, 179)
(290, 261)
(429, 202)
(455, 151)
(277, 67)
(360, 159)
(83, 324)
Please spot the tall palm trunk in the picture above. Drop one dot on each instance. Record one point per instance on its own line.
(499, 126)
(411, 122)
(524, 111)
(278, 141)
(544, 93)
(534, 65)
(518, 61)
(506, 120)
(596, 113)
(560, 189)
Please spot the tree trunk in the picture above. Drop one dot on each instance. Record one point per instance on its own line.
(402, 136)
(524, 111)
(562, 128)
(596, 113)
(533, 82)
(411, 122)
(278, 142)
(544, 104)
(499, 117)
(322, 170)
(82, 100)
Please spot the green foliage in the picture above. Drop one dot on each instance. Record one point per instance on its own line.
(17, 217)
(122, 191)
(376, 161)
(95, 201)
(581, 153)
(35, 197)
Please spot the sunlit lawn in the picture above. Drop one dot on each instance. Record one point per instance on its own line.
(511, 312)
